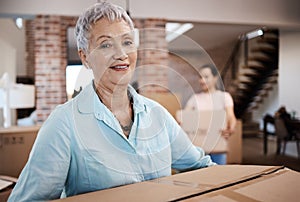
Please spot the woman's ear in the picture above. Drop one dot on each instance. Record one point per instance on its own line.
(82, 56)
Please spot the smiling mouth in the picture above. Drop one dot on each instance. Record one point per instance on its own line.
(120, 67)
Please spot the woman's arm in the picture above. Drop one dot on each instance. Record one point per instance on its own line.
(185, 156)
(45, 173)
(191, 103)
(231, 122)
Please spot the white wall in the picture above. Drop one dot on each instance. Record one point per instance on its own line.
(258, 12)
(289, 70)
(12, 46)
(287, 92)
(8, 60)
(289, 74)
(269, 105)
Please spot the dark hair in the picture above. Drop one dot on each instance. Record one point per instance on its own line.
(212, 68)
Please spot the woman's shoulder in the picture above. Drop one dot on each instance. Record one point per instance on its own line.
(65, 106)
(226, 97)
(223, 93)
(195, 96)
(61, 112)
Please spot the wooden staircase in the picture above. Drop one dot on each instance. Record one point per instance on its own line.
(258, 74)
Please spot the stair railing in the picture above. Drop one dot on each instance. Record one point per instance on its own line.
(230, 70)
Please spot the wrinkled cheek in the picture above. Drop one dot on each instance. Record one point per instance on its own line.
(100, 73)
(133, 58)
(100, 68)
(100, 59)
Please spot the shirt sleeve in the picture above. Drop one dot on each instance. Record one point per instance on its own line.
(191, 103)
(45, 173)
(228, 100)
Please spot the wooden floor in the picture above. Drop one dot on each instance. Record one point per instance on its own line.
(253, 154)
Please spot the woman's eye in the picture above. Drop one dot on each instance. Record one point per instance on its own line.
(128, 42)
(105, 45)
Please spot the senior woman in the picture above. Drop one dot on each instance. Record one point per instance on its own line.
(108, 135)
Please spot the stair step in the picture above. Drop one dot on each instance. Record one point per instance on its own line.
(244, 78)
(254, 63)
(251, 108)
(250, 77)
(255, 80)
(265, 46)
(269, 40)
(270, 35)
(260, 96)
(257, 99)
(264, 92)
(246, 91)
(260, 68)
(266, 49)
(272, 79)
(239, 100)
(249, 83)
(261, 58)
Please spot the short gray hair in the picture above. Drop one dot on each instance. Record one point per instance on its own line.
(92, 15)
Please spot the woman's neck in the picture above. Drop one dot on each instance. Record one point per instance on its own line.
(212, 90)
(115, 99)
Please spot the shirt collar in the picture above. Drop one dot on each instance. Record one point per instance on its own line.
(88, 101)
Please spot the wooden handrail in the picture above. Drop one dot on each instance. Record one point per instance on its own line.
(232, 57)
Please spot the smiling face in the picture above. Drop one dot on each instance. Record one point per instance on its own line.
(112, 53)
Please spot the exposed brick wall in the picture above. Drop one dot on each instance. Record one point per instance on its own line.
(152, 67)
(47, 47)
(29, 44)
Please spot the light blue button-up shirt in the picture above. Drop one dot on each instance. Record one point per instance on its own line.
(81, 148)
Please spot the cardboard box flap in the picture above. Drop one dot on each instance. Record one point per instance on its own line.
(282, 185)
(217, 177)
(221, 175)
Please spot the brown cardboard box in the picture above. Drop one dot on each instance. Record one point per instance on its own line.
(170, 101)
(4, 194)
(203, 128)
(279, 186)
(15, 146)
(234, 145)
(217, 183)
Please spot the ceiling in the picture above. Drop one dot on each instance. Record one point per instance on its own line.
(210, 36)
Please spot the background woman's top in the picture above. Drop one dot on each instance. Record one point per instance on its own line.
(217, 100)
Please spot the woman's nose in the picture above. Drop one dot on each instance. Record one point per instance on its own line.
(120, 53)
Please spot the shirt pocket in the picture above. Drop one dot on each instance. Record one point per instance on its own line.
(108, 170)
(156, 153)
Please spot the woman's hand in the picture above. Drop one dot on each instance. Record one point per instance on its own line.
(231, 122)
(226, 133)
